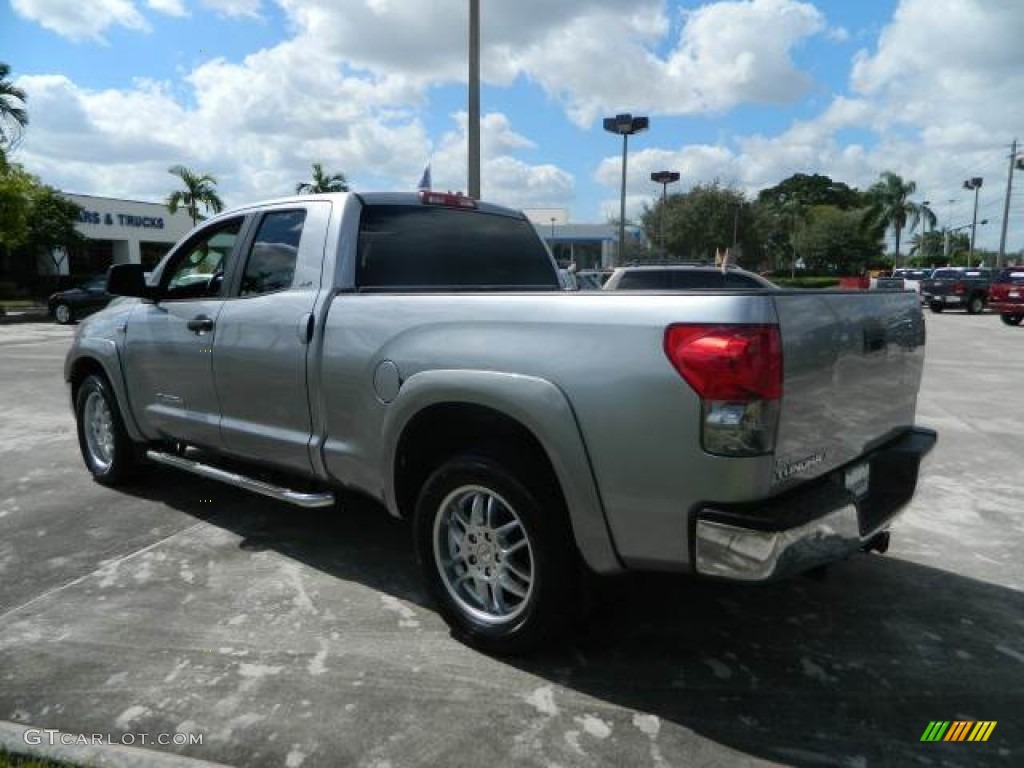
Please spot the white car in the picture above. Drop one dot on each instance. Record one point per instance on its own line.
(912, 277)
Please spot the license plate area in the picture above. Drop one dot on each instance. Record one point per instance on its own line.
(857, 479)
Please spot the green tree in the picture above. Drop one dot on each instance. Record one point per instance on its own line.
(835, 241)
(891, 206)
(927, 248)
(13, 117)
(812, 190)
(15, 196)
(322, 182)
(197, 189)
(704, 220)
(51, 225)
(35, 218)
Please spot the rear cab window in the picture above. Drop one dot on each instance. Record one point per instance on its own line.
(1014, 275)
(426, 248)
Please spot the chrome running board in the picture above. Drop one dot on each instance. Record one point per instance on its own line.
(309, 500)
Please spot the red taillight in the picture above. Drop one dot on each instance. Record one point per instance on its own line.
(999, 291)
(959, 288)
(448, 199)
(739, 363)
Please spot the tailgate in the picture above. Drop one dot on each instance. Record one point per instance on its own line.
(852, 368)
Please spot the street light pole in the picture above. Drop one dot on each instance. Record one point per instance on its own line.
(1016, 161)
(473, 124)
(625, 125)
(973, 183)
(664, 178)
(925, 209)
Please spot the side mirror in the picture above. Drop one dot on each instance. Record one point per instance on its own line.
(128, 280)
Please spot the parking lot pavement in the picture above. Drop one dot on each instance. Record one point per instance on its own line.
(302, 638)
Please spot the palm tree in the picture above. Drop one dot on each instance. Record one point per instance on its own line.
(13, 118)
(198, 189)
(336, 182)
(892, 207)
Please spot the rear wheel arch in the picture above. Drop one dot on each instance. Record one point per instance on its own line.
(442, 430)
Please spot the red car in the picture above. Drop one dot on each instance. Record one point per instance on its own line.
(1006, 295)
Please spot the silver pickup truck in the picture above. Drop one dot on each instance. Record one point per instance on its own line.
(418, 349)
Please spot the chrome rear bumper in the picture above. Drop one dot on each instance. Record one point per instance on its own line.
(813, 525)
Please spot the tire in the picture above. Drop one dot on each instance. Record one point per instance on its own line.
(495, 548)
(1011, 319)
(975, 305)
(109, 454)
(936, 307)
(63, 314)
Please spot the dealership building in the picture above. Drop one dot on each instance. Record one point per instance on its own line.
(118, 232)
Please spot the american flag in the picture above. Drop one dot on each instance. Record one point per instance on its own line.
(425, 179)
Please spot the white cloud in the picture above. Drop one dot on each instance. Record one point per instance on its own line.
(592, 55)
(937, 100)
(234, 8)
(77, 20)
(169, 7)
(258, 125)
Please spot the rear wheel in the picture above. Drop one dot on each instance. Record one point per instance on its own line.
(935, 307)
(975, 305)
(108, 452)
(1011, 319)
(495, 548)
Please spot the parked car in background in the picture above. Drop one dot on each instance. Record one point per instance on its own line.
(956, 288)
(75, 303)
(1006, 295)
(912, 277)
(684, 277)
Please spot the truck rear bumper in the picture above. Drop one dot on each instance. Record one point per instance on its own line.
(818, 523)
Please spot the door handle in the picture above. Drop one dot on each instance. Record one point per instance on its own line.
(200, 324)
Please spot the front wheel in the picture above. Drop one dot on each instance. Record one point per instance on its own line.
(1011, 319)
(935, 307)
(109, 454)
(975, 305)
(62, 314)
(494, 544)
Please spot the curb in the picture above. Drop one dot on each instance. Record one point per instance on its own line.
(35, 315)
(12, 738)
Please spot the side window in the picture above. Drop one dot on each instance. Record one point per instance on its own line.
(736, 280)
(197, 271)
(275, 250)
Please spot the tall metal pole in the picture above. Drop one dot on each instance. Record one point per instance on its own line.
(622, 202)
(1006, 204)
(661, 222)
(474, 100)
(974, 225)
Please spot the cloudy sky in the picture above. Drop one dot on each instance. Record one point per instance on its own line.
(743, 91)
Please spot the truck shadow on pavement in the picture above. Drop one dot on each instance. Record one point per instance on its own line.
(848, 670)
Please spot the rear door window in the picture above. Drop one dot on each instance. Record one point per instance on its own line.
(424, 248)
